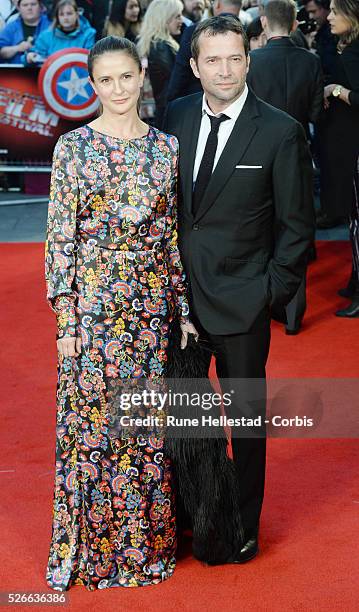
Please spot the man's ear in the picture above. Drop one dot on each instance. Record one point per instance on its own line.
(248, 62)
(194, 67)
(264, 21)
(295, 25)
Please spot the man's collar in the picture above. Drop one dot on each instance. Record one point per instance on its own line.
(231, 111)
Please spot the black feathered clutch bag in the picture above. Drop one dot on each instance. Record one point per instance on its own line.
(205, 476)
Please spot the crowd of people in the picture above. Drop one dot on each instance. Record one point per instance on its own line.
(304, 60)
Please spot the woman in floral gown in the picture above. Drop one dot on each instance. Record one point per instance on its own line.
(115, 281)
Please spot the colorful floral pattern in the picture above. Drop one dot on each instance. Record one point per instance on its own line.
(114, 277)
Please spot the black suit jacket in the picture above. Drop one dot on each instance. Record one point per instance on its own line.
(161, 59)
(289, 78)
(246, 247)
(182, 81)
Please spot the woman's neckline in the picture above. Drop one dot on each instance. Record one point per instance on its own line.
(118, 137)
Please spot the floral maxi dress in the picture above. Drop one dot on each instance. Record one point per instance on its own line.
(115, 279)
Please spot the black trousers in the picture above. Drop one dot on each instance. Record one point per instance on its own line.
(354, 227)
(244, 356)
(297, 306)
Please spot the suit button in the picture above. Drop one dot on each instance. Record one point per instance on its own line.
(195, 227)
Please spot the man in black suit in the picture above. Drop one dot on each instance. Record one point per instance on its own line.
(244, 169)
(289, 78)
(282, 74)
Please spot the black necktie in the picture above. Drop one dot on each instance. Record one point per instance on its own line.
(206, 167)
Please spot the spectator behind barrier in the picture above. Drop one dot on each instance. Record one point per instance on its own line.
(124, 19)
(69, 29)
(162, 21)
(193, 11)
(255, 34)
(325, 43)
(19, 35)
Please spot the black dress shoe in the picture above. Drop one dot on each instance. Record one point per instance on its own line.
(248, 551)
(352, 311)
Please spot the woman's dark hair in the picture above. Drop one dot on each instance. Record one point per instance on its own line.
(254, 29)
(218, 25)
(118, 9)
(111, 44)
(350, 10)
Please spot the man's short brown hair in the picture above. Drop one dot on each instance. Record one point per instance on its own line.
(218, 25)
(281, 13)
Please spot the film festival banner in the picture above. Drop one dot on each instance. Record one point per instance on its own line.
(38, 105)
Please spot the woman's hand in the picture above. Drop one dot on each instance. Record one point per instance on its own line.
(69, 346)
(328, 90)
(187, 328)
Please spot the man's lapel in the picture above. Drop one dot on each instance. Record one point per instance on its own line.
(237, 144)
(188, 151)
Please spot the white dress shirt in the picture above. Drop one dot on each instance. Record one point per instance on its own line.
(225, 129)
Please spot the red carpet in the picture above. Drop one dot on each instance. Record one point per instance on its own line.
(309, 525)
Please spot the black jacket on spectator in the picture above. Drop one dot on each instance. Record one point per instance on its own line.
(161, 59)
(339, 137)
(96, 12)
(183, 82)
(299, 39)
(288, 77)
(326, 47)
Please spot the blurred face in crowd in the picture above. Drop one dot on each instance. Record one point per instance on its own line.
(222, 67)
(132, 11)
(194, 9)
(30, 11)
(257, 42)
(117, 81)
(175, 25)
(318, 13)
(68, 18)
(339, 24)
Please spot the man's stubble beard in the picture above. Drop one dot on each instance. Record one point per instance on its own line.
(224, 96)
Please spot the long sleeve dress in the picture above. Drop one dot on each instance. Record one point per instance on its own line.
(115, 279)
(339, 138)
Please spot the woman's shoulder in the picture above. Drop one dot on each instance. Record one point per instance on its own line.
(161, 46)
(170, 140)
(75, 137)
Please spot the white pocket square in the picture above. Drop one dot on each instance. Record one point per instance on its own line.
(251, 167)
